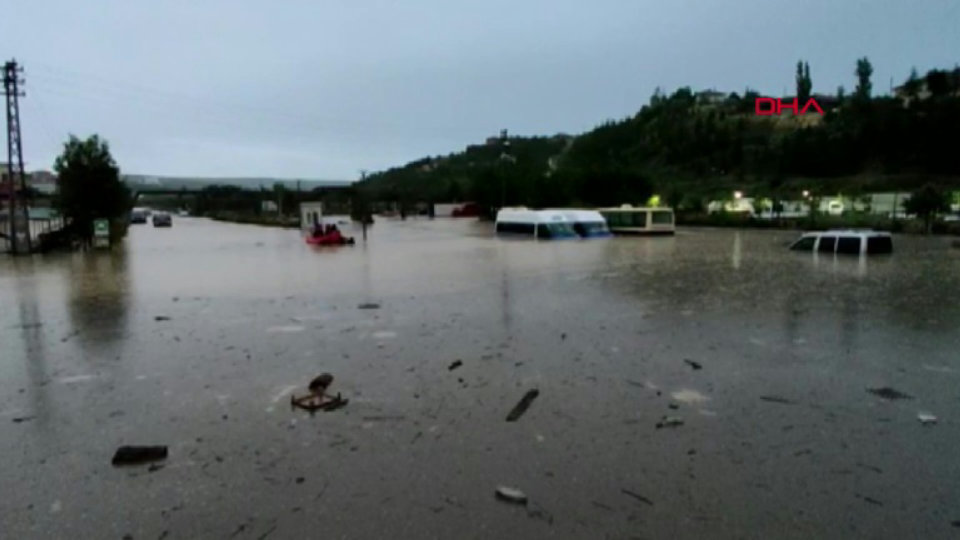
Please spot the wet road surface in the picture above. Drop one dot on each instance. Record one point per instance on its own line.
(780, 437)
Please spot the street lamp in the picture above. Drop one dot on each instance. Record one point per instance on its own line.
(806, 194)
(738, 195)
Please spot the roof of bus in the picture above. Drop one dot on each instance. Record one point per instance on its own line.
(628, 208)
(579, 214)
(530, 216)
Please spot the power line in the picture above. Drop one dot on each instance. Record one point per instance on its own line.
(307, 119)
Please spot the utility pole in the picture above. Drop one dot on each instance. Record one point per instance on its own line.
(504, 154)
(19, 215)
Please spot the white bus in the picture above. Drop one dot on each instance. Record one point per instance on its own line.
(541, 224)
(586, 223)
(639, 220)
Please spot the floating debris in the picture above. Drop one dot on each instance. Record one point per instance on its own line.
(669, 421)
(889, 393)
(161, 318)
(286, 329)
(777, 399)
(369, 305)
(927, 419)
(637, 496)
(138, 455)
(511, 495)
(20, 419)
(695, 365)
(455, 365)
(687, 395)
(523, 405)
(317, 399)
(563, 336)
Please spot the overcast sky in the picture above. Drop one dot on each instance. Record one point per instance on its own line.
(323, 88)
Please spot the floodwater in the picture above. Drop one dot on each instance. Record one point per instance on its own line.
(196, 336)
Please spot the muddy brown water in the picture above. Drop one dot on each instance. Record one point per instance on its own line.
(195, 337)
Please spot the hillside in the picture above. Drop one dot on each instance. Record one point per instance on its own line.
(689, 149)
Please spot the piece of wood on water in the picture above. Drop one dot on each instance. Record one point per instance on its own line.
(138, 455)
(637, 496)
(523, 405)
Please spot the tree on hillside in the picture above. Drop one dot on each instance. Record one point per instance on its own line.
(89, 186)
(926, 202)
(804, 84)
(912, 86)
(864, 86)
(938, 83)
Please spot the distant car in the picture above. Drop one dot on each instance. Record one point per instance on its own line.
(138, 216)
(162, 219)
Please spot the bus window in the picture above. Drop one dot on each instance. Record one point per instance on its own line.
(661, 218)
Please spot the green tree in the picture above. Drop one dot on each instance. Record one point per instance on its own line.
(926, 202)
(938, 83)
(864, 86)
(89, 186)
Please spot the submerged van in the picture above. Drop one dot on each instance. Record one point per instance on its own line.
(541, 224)
(847, 241)
(586, 223)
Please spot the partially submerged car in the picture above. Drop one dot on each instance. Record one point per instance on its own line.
(845, 241)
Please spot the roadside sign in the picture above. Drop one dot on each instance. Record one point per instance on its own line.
(101, 228)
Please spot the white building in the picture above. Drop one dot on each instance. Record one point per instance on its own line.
(311, 214)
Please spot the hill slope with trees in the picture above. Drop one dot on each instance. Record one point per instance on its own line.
(689, 147)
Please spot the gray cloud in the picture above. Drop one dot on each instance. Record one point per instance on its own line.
(321, 89)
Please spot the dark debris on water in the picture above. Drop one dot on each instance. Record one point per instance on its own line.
(369, 305)
(522, 406)
(455, 365)
(137, 455)
(777, 399)
(889, 393)
(696, 366)
(637, 496)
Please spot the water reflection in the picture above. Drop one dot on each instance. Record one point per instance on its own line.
(99, 298)
(505, 295)
(31, 325)
(736, 255)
